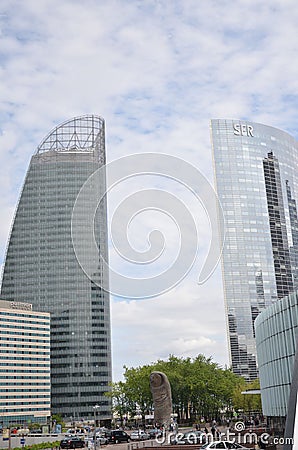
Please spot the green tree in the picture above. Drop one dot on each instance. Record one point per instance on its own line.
(120, 399)
(247, 403)
(200, 387)
(58, 419)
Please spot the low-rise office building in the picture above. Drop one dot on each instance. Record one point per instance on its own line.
(24, 364)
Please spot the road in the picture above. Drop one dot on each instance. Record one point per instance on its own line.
(29, 440)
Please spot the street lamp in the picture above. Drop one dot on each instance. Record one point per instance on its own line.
(95, 409)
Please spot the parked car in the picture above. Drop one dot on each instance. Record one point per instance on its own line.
(74, 431)
(72, 442)
(154, 433)
(139, 435)
(116, 436)
(23, 431)
(223, 445)
(101, 440)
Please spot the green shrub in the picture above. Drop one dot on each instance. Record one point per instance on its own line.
(41, 446)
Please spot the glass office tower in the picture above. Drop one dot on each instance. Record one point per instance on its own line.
(256, 171)
(41, 267)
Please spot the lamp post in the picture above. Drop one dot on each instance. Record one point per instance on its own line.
(95, 409)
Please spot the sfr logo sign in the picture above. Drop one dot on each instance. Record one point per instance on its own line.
(242, 129)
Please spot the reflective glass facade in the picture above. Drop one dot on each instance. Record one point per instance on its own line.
(41, 266)
(257, 184)
(25, 385)
(276, 331)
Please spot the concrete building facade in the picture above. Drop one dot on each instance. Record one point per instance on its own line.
(25, 385)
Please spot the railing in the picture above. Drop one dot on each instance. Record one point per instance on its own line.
(143, 444)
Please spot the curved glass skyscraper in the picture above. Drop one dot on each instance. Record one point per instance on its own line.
(256, 169)
(276, 331)
(41, 267)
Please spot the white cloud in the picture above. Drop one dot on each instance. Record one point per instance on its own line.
(157, 71)
(185, 322)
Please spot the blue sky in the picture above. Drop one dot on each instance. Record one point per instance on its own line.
(157, 71)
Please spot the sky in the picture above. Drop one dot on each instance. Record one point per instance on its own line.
(157, 71)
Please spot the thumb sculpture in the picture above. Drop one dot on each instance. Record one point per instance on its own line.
(162, 398)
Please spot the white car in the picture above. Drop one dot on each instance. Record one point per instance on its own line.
(139, 436)
(223, 445)
(101, 440)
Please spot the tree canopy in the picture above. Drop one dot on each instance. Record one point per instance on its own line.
(200, 388)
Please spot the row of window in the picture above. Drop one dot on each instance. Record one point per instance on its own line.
(24, 358)
(35, 347)
(79, 375)
(80, 394)
(66, 404)
(91, 355)
(80, 364)
(18, 322)
(21, 377)
(23, 327)
(20, 410)
(36, 365)
(25, 390)
(80, 385)
(10, 370)
(26, 316)
(42, 383)
(22, 333)
(17, 340)
(72, 347)
(41, 402)
(33, 395)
